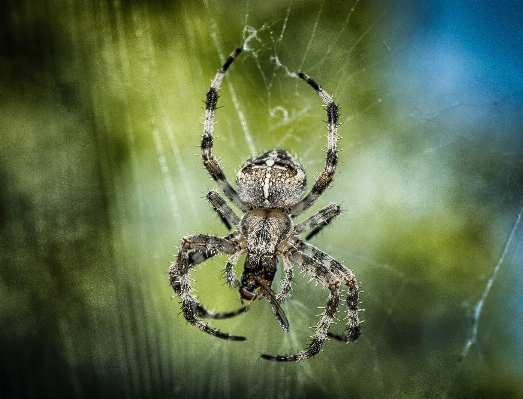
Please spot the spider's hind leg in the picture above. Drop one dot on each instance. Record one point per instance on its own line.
(351, 336)
(324, 179)
(200, 311)
(205, 314)
(209, 161)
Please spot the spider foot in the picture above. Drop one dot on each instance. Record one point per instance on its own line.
(352, 335)
(200, 311)
(288, 358)
(235, 338)
(313, 349)
(216, 333)
(277, 358)
(190, 312)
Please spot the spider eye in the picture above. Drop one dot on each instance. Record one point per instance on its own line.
(275, 179)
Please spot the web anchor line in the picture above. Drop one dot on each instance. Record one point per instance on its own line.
(478, 308)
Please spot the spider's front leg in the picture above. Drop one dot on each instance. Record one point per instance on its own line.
(209, 161)
(325, 178)
(204, 247)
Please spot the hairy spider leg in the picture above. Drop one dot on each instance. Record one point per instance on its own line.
(318, 272)
(198, 256)
(230, 277)
(346, 277)
(180, 280)
(210, 162)
(286, 283)
(227, 215)
(318, 221)
(325, 178)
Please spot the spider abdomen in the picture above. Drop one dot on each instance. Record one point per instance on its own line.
(275, 179)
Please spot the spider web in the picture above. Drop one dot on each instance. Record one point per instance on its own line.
(429, 178)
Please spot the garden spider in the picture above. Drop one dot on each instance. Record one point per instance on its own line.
(269, 192)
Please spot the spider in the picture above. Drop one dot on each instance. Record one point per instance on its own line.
(270, 192)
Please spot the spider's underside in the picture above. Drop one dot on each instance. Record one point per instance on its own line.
(270, 192)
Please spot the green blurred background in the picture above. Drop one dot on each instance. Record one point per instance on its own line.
(100, 121)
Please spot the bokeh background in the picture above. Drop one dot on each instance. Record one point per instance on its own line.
(100, 122)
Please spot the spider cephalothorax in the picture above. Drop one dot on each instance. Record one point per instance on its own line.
(270, 192)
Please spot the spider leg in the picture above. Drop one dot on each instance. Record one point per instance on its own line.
(225, 212)
(328, 279)
(285, 285)
(196, 257)
(209, 161)
(346, 276)
(180, 280)
(232, 280)
(324, 179)
(205, 314)
(318, 221)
